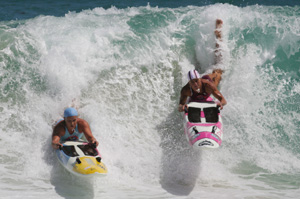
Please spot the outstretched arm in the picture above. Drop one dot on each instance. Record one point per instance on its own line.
(88, 133)
(58, 132)
(183, 97)
(217, 94)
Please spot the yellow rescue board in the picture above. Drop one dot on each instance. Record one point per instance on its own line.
(89, 165)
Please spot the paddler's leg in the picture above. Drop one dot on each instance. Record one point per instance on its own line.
(218, 34)
(216, 75)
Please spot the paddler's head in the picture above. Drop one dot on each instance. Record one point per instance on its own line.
(70, 116)
(194, 80)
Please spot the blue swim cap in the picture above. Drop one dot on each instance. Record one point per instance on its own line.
(69, 112)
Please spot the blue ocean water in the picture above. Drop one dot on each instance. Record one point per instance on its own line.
(24, 9)
(123, 65)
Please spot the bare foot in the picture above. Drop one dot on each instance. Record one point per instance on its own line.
(219, 24)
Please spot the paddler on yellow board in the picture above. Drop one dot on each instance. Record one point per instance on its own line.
(71, 128)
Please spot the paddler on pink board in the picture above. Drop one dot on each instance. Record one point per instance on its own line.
(200, 89)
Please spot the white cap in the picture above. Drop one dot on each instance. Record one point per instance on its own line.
(193, 74)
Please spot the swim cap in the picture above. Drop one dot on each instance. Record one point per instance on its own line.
(193, 74)
(69, 112)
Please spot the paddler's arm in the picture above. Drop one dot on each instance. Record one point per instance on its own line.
(56, 137)
(217, 94)
(184, 94)
(55, 142)
(88, 133)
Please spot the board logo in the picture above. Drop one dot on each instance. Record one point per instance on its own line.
(205, 143)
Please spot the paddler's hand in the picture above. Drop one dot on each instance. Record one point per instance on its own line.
(181, 107)
(220, 105)
(94, 142)
(56, 145)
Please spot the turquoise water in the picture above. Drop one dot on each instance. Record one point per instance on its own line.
(24, 9)
(123, 67)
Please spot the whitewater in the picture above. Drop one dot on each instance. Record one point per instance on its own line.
(123, 69)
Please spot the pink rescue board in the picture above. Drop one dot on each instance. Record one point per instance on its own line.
(203, 125)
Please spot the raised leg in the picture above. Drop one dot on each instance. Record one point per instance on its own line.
(218, 33)
(216, 75)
